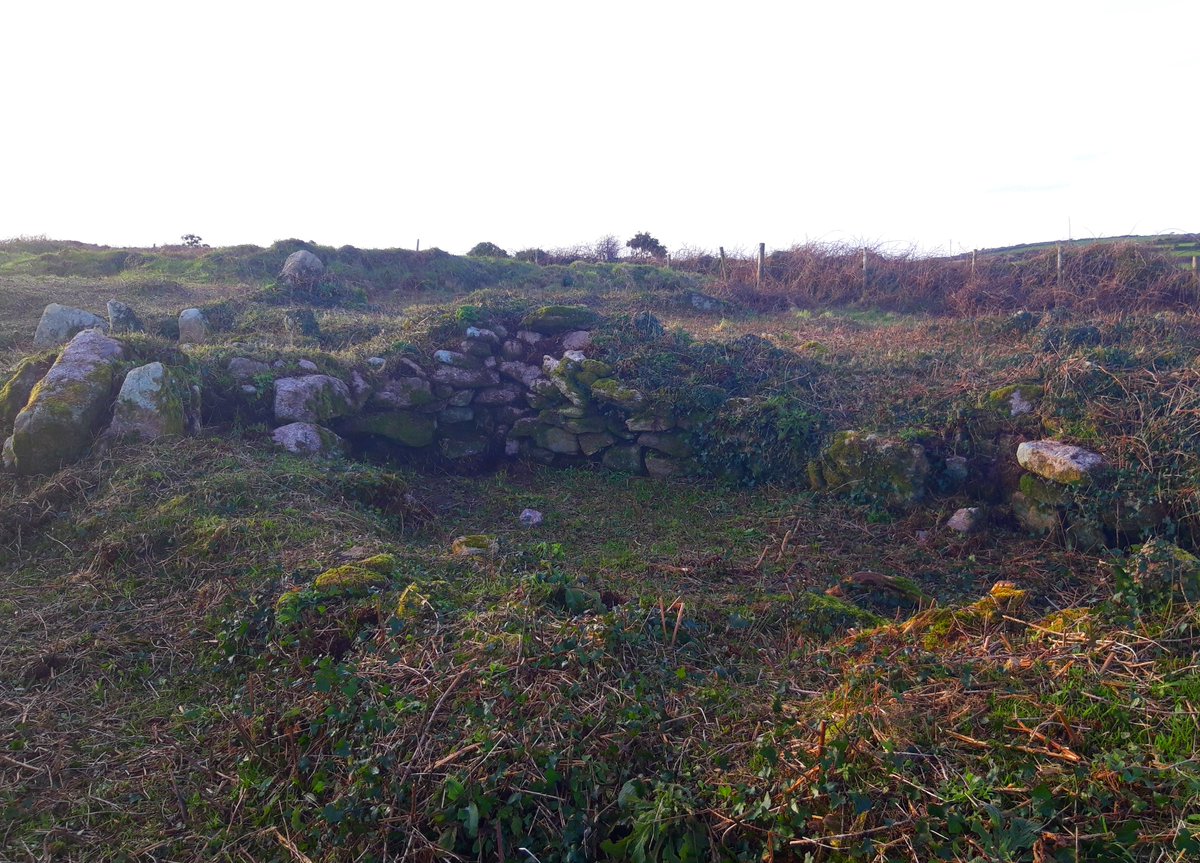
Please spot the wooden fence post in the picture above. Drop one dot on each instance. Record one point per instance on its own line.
(762, 260)
(724, 274)
(973, 251)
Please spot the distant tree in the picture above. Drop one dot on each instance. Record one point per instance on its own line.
(192, 240)
(607, 249)
(487, 250)
(534, 256)
(644, 244)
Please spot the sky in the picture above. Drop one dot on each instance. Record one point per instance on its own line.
(930, 125)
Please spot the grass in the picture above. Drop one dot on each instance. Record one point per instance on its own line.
(655, 672)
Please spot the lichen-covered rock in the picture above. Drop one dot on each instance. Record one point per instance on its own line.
(1060, 462)
(557, 440)
(522, 373)
(60, 323)
(308, 439)
(461, 378)
(154, 402)
(475, 545)
(409, 428)
(457, 359)
(302, 269)
(1161, 572)
(1035, 516)
(403, 393)
(311, 399)
(1016, 400)
(357, 577)
(593, 442)
(658, 421)
(193, 327)
(123, 319)
(969, 519)
(613, 392)
(703, 302)
(8, 458)
(553, 320)
(15, 391)
(60, 418)
(576, 340)
(574, 420)
(855, 462)
(505, 394)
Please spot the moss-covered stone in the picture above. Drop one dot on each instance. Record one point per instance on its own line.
(1016, 400)
(1036, 517)
(613, 392)
(357, 577)
(856, 462)
(64, 409)
(154, 402)
(624, 459)
(553, 320)
(14, 394)
(821, 615)
(591, 371)
(557, 440)
(1043, 491)
(408, 428)
(475, 545)
(593, 442)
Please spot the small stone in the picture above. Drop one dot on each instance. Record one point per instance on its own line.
(311, 399)
(482, 334)
(193, 327)
(530, 518)
(623, 459)
(557, 440)
(122, 319)
(577, 340)
(1059, 462)
(302, 269)
(703, 302)
(376, 362)
(593, 442)
(308, 439)
(403, 393)
(529, 337)
(966, 520)
(308, 366)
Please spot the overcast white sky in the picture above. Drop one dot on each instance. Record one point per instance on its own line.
(554, 123)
